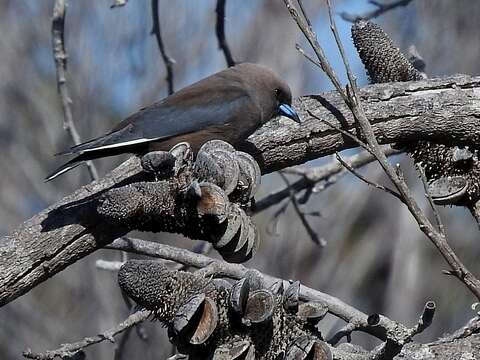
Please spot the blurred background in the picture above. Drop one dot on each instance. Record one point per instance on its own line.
(376, 259)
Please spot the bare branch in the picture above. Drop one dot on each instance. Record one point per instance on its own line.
(312, 176)
(68, 350)
(436, 213)
(380, 10)
(118, 3)
(368, 182)
(220, 31)
(167, 60)
(311, 233)
(60, 56)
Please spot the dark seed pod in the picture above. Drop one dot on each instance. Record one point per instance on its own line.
(306, 348)
(249, 177)
(239, 296)
(213, 202)
(312, 311)
(253, 243)
(216, 163)
(291, 297)
(259, 307)
(277, 288)
(233, 224)
(242, 245)
(194, 191)
(213, 145)
(236, 350)
(448, 190)
(183, 154)
(197, 319)
(160, 163)
(222, 284)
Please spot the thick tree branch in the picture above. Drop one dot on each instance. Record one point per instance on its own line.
(446, 110)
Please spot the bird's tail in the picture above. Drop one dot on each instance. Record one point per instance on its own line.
(64, 168)
(96, 154)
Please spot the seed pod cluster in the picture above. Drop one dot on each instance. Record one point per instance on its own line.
(220, 183)
(230, 179)
(452, 172)
(218, 320)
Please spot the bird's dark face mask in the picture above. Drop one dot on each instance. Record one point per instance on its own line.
(284, 108)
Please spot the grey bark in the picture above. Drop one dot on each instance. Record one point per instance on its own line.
(443, 110)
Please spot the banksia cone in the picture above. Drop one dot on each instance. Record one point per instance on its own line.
(384, 62)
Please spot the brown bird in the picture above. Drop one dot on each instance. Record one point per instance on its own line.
(229, 105)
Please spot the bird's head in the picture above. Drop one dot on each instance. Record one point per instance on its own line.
(272, 93)
(283, 97)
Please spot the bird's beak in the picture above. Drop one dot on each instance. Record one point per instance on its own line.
(287, 111)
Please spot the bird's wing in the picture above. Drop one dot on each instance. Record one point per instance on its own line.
(187, 112)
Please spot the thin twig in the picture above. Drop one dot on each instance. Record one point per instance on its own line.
(302, 9)
(343, 132)
(311, 233)
(71, 349)
(436, 213)
(60, 57)
(380, 10)
(220, 31)
(118, 3)
(365, 180)
(312, 176)
(167, 60)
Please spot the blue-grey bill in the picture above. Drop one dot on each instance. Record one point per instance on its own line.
(287, 111)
